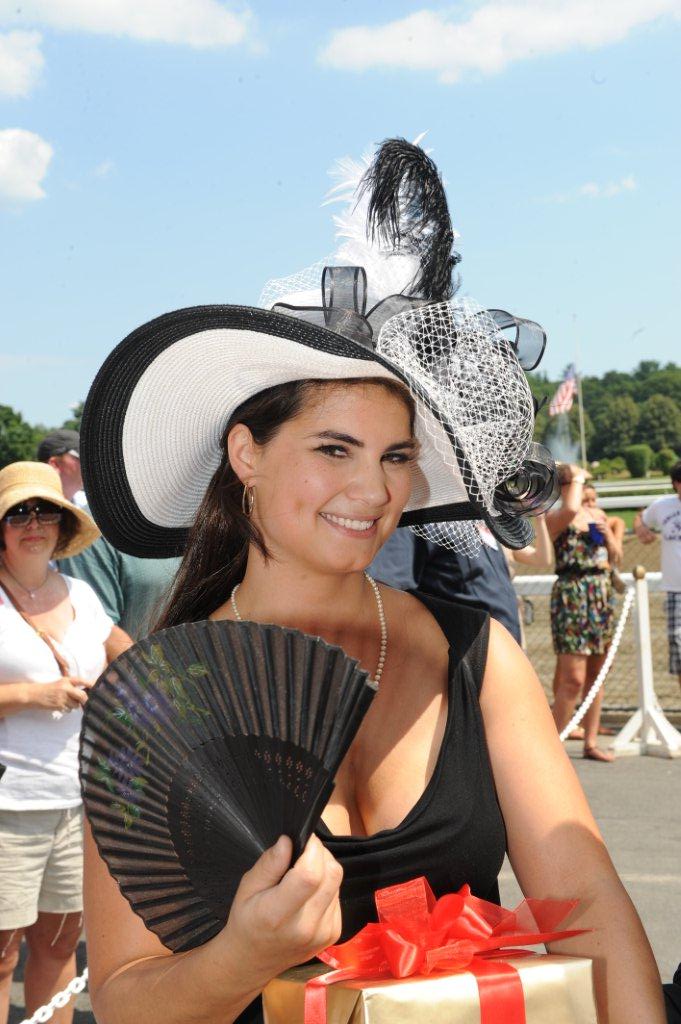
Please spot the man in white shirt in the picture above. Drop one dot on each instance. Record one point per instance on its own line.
(664, 516)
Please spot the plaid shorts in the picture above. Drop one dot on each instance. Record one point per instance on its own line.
(673, 609)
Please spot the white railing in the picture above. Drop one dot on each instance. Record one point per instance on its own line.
(542, 584)
(659, 484)
(647, 731)
(629, 500)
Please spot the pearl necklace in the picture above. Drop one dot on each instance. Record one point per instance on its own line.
(27, 590)
(383, 649)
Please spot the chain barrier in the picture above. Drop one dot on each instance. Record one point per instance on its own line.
(605, 668)
(63, 998)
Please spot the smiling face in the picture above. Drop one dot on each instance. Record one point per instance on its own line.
(331, 485)
(34, 539)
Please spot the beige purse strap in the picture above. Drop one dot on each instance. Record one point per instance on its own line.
(45, 637)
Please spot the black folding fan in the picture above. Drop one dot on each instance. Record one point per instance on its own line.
(202, 745)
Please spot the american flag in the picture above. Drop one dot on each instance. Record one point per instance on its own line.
(564, 396)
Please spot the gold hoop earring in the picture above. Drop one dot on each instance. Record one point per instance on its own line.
(248, 501)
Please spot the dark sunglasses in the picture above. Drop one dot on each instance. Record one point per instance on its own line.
(45, 513)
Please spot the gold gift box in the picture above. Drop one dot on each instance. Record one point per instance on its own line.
(558, 990)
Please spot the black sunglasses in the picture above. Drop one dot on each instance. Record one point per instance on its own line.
(45, 513)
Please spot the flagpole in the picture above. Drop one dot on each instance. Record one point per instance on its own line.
(580, 406)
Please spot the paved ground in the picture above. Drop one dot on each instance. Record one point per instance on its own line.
(637, 802)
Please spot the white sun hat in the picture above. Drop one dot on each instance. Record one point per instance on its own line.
(153, 424)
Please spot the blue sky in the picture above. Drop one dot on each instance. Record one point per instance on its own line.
(156, 154)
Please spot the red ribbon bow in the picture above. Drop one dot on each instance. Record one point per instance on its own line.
(419, 935)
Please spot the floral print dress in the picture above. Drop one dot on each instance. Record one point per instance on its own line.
(582, 598)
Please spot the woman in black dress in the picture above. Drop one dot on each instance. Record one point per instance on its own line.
(457, 759)
(295, 450)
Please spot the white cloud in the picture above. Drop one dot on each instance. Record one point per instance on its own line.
(198, 23)
(613, 188)
(24, 159)
(103, 169)
(20, 62)
(592, 190)
(492, 36)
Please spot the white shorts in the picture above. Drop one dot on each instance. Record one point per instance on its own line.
(41, 865)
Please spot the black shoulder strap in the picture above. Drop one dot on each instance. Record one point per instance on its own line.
(466, 628)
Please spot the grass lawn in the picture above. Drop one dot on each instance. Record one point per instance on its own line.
(627, 514)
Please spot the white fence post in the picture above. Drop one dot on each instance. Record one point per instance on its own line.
(647, 731)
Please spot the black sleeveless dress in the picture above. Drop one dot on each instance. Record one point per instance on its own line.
(455, 832)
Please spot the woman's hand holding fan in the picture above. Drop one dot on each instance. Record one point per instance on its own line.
(200, 747)
(282, 916)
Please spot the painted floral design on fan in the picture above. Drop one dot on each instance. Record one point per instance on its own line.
(160, 678)
(122, 775)
(163, 676)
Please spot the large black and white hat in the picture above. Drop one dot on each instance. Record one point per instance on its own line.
(155, 415)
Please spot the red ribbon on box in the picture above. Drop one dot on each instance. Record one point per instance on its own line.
(419, 935)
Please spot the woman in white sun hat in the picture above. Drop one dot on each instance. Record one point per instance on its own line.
(279, 449)
(55, 639)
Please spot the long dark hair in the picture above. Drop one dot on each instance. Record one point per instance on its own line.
(215, 558)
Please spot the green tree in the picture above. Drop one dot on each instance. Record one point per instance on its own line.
(542, 389)
(659, 424)
(639, 458)
(73, 423)
(666, 381)
(615, 426)
(645, 369)
(18, 439)
(601, 469)
(614, 382)
(665, 459)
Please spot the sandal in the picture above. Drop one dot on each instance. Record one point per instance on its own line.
(595, 754)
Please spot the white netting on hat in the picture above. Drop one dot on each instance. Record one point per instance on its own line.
(461, 536)
(301, 289)
(470, 376)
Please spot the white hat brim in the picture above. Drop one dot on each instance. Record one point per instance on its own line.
(154, 419)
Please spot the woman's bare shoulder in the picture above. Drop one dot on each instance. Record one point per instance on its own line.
(410, 615)
(417, 643)
(400, 602)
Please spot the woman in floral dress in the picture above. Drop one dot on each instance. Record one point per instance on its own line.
(582, 602)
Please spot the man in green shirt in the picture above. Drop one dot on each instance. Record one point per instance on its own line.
(132, 590)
